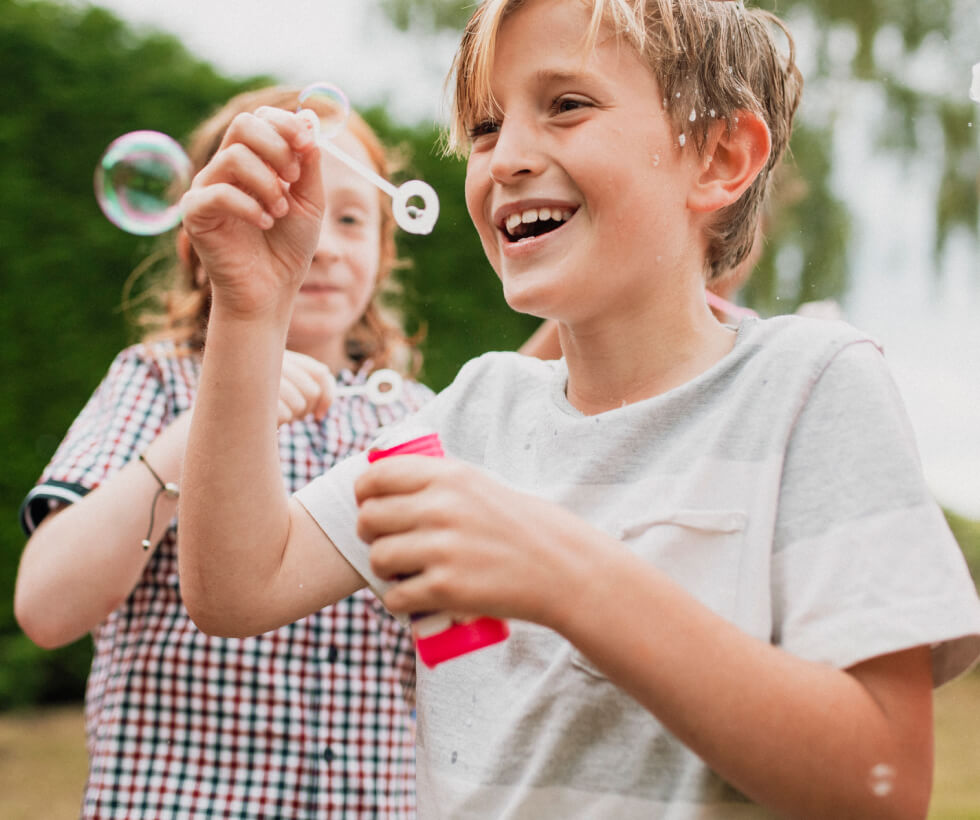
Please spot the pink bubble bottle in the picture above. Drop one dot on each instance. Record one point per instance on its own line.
(440, 636)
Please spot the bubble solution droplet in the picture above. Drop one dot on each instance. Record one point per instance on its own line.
(975, 85)
(881, 781)
(139, 182)
(329, 103)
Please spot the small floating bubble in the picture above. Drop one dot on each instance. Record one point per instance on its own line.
(139, 181)
(331, 105)
(881, 781)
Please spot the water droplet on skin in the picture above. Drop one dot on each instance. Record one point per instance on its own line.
(713, 114)
(682, 139)
(694, 115)
(881, 781)
(656, 160)
(678, 95)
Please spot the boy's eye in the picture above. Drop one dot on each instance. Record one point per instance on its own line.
(563, 105)
(482, 129)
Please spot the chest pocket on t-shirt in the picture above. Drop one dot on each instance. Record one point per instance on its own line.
(698, 549)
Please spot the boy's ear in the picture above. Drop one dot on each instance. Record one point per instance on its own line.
(730, 163)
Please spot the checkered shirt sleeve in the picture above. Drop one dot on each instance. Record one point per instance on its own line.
(312, 720)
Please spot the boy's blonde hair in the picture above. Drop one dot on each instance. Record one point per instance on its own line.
(178, 304)
(711, 58)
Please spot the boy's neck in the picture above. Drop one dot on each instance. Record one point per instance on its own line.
(642, 356)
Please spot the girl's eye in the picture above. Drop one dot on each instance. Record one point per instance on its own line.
(350, 219)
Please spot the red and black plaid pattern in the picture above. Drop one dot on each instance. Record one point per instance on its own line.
(311, 720)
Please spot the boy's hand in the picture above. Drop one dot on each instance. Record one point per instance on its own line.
(306, 386)
(465, 543)
(254, 212)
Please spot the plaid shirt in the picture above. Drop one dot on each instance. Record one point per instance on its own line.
(310, 720)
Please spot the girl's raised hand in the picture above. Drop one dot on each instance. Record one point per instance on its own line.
(254, 212)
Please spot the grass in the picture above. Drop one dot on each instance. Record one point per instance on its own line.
(42, 758)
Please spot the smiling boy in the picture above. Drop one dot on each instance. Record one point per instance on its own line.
(730, 591)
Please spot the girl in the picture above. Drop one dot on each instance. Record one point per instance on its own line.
(310, 720)
(730, 590)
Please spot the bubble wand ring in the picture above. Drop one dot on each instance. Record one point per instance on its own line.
(410, 218)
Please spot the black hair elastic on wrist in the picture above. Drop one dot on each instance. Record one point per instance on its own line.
(168, 487)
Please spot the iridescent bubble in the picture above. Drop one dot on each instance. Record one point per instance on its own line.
(331, 105)
(881, 779)
(139, 182)
(975, 85)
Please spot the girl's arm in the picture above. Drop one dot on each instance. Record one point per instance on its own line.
(85, 559)
(803, 738)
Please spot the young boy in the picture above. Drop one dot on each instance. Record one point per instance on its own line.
(730, 592)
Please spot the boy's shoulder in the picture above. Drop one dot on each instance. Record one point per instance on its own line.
(506, 364)
(803, 340)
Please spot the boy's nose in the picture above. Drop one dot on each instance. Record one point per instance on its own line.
(515, 155)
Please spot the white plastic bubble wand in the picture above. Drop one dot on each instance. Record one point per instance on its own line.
(382, 387)
(410, 218)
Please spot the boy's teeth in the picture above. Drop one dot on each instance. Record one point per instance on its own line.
(536, 215)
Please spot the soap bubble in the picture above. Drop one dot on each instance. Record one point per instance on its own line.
(333, 107)
(139, 182)
(881, 779)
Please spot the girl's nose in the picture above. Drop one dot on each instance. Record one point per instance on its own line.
(328, 246)
(515, 154)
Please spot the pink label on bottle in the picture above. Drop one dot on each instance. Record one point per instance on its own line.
(463, 635)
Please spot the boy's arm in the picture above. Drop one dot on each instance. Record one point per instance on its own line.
(251, 559)
(803, 738)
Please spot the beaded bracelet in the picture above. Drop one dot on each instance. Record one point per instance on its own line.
(168, 487)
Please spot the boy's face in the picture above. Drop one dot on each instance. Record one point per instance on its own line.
(584, 137)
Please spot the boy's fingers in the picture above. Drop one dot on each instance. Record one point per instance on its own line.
(397, 476)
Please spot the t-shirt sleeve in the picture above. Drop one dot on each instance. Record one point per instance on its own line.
(864, 563)
(125, 413)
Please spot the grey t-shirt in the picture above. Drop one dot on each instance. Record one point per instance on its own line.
(781, 487)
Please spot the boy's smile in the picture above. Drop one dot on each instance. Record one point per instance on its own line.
(579, 172)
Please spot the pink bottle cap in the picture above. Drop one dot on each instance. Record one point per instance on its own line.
(422, 446)
(461, 638)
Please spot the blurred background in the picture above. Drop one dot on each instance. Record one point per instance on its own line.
(877, 208)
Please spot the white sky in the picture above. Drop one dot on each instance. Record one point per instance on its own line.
(927, 321)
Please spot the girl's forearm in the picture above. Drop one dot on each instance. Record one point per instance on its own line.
(803, 738)
(82, 562)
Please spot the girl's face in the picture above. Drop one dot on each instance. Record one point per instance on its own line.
(344, 270)
(578, 187)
